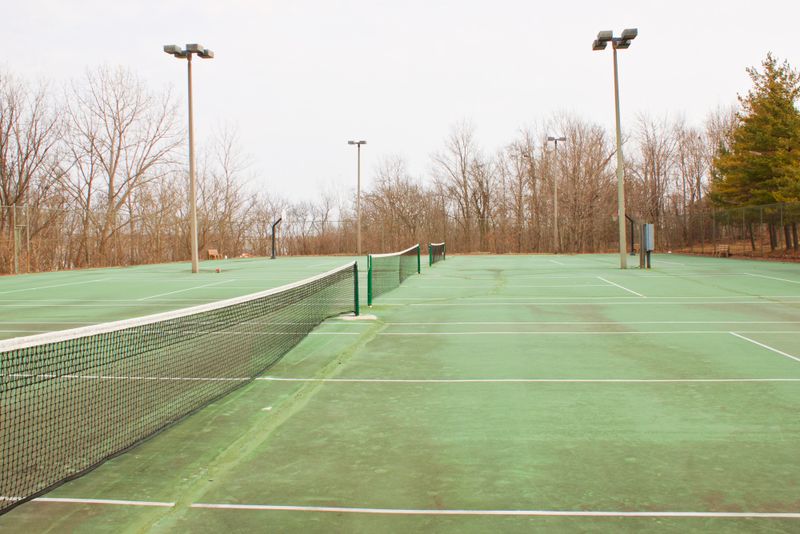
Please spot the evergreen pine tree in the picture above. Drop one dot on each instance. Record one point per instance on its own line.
(763, 163)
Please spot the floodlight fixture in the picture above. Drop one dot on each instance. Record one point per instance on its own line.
(358, 195)
(605, 36)
(629, 34)
(598, 45)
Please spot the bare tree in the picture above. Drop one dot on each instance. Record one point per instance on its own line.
(121, 136)
(454, 169)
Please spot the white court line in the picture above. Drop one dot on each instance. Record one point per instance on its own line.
(667, 262)
(50, 287)
(628, 302)
(795, 358)
(517, 286)
(528, 380)
(528, 513)
(621, 287)
(431, 512)
(556, 262)
(214, 333)
(773, 278)
(413, 380)
(134, 378)
(105, 501)
(188, 289)
(583, 322)
(584, 333)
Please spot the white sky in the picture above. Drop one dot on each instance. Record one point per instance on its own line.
(298, 78)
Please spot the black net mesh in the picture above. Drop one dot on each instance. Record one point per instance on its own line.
(69, 400)
(435, 252)
(388, 271)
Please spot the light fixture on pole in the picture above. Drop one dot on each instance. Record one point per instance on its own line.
(186, 54)
(556, 237)
(622, 42)
(358, 195)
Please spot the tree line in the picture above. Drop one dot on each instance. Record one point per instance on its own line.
(94, 174)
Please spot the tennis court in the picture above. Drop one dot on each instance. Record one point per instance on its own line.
(501, 393)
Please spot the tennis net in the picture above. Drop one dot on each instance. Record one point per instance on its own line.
(70, 400)
(436, 252)
(387, 271)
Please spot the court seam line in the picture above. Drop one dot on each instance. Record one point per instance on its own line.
(187, 289)
(411, 511)
(621, 287)
(50, 287)
(773, 349)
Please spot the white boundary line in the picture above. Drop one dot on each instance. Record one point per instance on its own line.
(557, 262)
(411, 380)
(105, 501)
(186, 289)
(795, 358)
(621, 287)
(773, 278)
(626, 302)
(527, 380)
(50, 287)
(529, 513)
(429, 512)
(588, 333)
(580, 322)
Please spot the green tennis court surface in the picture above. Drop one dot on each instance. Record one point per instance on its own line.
(505, 393)
(36, 303)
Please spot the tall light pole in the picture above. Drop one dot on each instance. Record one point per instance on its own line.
(186, 54)
(556, 240)
(621, 42)
(358, 194)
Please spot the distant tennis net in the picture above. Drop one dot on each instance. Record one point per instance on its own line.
(436, 253)
(71, 399)
(387, 271)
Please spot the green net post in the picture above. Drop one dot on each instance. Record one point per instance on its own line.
(419, 261)
(430, 255)
(369, 281)
(444, 250)
(355, 288)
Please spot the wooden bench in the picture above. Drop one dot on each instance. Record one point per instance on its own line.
(722, 250)
(213, 254)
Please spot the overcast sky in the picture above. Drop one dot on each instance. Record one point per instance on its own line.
(298, 78)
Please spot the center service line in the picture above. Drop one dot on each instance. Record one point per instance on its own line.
(621, 287)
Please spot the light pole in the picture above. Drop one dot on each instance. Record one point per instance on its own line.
(358, 195)
(186, 54)
(622, 42)
(556, 240)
